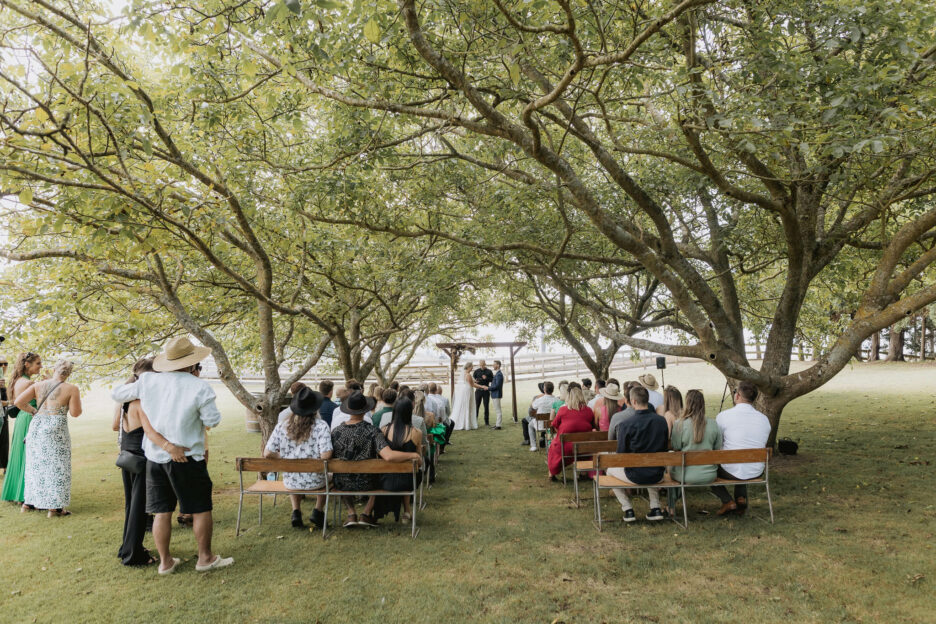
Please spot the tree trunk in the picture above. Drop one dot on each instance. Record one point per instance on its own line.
(922, 337)
(895, 345)
(874, 353)
(772, 408)
(757, 347)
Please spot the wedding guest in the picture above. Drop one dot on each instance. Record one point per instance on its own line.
(672, 406)
(561, 399)
(4, 421)
(531, 414)
(599, 384)
(354, 440)
(372, 391)
(177, 408)
(302, 436)
(692, 431)
(286, 412)
(326, 388)
(340, 415)
(742, 427)
(622, 414)
(402, 436)
(447, 418)
(25, 369)
(587, 391)
(573, 417)
(542, 405)
(389, 398)
(649, 382)
(644, 432)
(129, 426)
(419, 413)
(606, 407)
(395, 385)
(378, 396)
(48, 445)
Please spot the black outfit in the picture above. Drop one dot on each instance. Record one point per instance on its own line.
(740, 490)
(483, 377)
(644, 432)
(4, 434)
(135, 517)
(186, 483)
(399, 482)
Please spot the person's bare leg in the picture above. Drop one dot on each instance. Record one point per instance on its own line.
(296, 500)
(349, 505)
(162, 534)
(406, 504)
(369, 507)
(320, 503)
(203, 527)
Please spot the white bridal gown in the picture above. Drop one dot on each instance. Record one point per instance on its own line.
(464, 413)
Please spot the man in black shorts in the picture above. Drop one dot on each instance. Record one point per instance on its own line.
(176, 468)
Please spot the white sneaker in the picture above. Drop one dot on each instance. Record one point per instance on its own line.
(533, 449)
(219, 562)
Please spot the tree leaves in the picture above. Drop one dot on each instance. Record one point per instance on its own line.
(372, 31)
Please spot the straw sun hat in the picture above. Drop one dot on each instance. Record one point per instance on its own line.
(611, 391)
(648, 381)
(180, 353)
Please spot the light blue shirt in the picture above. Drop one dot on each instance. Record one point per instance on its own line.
(178, 405)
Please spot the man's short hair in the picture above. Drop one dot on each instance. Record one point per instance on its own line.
(326, 386)
(355, 386)
(747, 390)
(639, 395)
(612, 380)
(293, 389)
(343, 393)
(586, 382)
(432, 388)
(498, 362)
(548, 387)
(600, 383)
(388, 396)
(395, 385)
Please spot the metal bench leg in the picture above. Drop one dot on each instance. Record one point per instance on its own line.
(575, 477)
(325, 521)
(274, 501)
(769, 501)
(240, 507)
(598, 505)
(685, 512)
(260, 521)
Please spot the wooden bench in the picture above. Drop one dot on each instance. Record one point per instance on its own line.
(368, 466)
(263, 486)
(582, 436)
(544, 426)
(376, 466)
(679, 458)
(583, 458)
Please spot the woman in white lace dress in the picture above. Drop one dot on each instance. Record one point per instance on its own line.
(464, 411)
(48, 443)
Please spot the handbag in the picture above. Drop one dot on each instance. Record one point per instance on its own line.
(131, 462)
(10, 411)
(787, 446)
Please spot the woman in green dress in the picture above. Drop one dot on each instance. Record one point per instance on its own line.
(26, 368)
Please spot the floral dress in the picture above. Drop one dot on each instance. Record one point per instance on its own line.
(48, 456)
(354, 443)
(318, 442)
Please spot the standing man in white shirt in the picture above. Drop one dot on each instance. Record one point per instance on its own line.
(178, 407)
(742, 427)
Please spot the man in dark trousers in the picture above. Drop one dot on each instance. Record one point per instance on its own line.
(483, 376)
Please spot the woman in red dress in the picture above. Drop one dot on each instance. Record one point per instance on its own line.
(573, 417)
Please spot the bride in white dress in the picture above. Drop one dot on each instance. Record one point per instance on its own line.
(464, 411)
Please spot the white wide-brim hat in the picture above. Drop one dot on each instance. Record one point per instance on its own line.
(611, 391)
(180, 353)
(648, 381)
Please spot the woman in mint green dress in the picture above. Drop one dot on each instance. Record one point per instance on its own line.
(27, 366)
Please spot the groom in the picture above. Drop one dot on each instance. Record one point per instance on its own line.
(497, 392)
(484, 378)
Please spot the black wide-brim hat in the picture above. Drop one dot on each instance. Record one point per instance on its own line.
(357, 404)
(306, 402)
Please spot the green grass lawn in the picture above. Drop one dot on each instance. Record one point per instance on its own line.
(853, 541)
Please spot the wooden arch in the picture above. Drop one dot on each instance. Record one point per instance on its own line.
(455, 350)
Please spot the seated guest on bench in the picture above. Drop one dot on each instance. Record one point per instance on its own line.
(355, 440)
(328, 406)
(302, 436)
(672, 406)
(599, 384)
(692, 431)
(742, 427)
(573, 417)
(612, 398)
(542, 406)
(525, 422)
(644, 432)
(284, 414)
(402, 436)
(388, 397)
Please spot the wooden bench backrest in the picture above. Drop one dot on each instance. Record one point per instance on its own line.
(737, 456)
(584, 436)
(587, 448)
(369, 466)
(543, 417)
(637, 460)
(262, 464)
